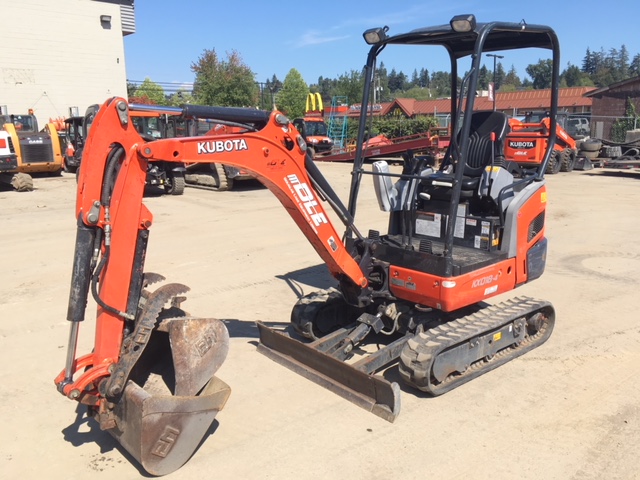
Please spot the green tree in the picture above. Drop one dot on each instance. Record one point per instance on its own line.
(350, 85)
(397, 81)
(382, 82)
(423, 78)
(268, 92)
(604, 76)
(418, 93)
(415, 79)
(325, 88)
(131, 89)
(527, 84)
(634, 67)
(540, 73)
(179, 98)
(623, 63)
(511, 80)
(149, 92)
(574, 77)
(500, 76)
(441, 84)
(588, 66)
(291, 99)
(484, 79)
(227, 83)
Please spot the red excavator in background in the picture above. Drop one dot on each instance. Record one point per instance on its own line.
(456, 237)
(527, 144)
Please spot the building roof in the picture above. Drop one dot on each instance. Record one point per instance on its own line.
(537, 99)
(614, 86)
(521, 100)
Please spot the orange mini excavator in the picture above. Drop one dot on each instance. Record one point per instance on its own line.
(456, 237)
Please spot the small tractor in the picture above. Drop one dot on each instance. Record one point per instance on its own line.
(527, 143)
(313, 127)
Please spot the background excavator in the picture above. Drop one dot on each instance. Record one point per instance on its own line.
(456, 237)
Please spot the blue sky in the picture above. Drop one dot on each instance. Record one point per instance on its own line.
(324, 38)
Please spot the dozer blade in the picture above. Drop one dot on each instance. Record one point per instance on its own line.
(170, 401)
(371, 392)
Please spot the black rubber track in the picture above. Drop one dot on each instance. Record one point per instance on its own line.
(420, 352)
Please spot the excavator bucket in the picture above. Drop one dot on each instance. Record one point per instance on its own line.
(169, 403)
(354, 382)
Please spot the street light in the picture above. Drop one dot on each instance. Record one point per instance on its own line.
(495, 95)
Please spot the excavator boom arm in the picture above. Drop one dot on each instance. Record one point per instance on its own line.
(111, 187)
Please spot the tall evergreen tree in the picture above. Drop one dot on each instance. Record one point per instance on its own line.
(512, 79)
(392, 79)
(634, 67)
(623, 62)
(499, 76)
(484, 78)
(424, 78)
(587, 63)
(415, 80)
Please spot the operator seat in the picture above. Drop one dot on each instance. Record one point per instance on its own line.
(482, 151)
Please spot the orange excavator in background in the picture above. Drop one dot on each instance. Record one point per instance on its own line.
(456, 237)
(527, 144)
(313, 128)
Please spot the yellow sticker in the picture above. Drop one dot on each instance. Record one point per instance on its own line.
(543, 197)
(497, 336)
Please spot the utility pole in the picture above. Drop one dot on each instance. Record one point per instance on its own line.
(495, 94)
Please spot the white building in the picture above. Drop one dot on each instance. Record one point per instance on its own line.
(60, 54)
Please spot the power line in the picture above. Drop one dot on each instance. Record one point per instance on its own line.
(174, 87)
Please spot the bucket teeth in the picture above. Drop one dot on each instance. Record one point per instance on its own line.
(135, 345)
(150, 278)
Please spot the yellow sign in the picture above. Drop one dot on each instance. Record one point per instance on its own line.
(314, 103)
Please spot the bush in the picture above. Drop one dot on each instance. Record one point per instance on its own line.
(392, 127)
